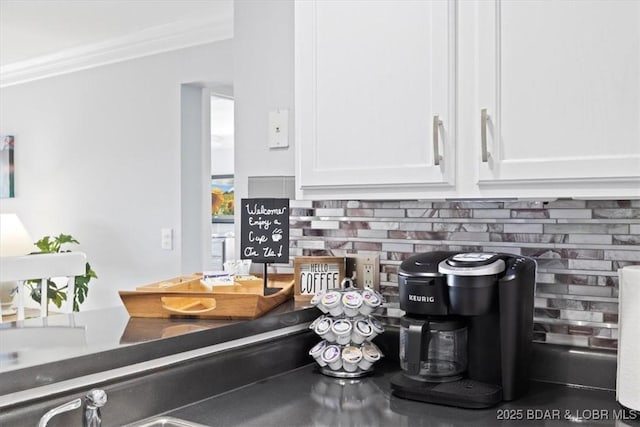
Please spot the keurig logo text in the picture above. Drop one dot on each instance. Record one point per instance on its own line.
(421, 298)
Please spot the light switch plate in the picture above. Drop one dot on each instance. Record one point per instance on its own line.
(279, 129)
(166, 239)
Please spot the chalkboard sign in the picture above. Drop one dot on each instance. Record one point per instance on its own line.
(265, 230)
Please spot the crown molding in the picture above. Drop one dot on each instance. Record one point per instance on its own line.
(150, 41)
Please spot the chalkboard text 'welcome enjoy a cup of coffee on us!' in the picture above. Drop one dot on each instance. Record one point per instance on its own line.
(265, 230)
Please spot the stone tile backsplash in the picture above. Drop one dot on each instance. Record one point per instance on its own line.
(579, 246)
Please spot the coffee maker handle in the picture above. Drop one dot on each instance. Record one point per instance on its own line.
(415, 346)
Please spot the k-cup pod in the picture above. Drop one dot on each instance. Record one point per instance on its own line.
(341, 328)
(361, 331)
(313, 324)
(370, 301)
(352, 301)
(351, 356)
(331, 301)
(316, 352)
(367, 292)
(370, 355)
(376, 327)
(317, 299)
(323, 329)
(332, 356)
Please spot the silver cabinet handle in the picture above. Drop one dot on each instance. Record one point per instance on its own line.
(437, 158)
(484, 118)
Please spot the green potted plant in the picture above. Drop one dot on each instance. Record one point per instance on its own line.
(56, 294)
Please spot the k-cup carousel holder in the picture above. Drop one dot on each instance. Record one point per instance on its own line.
(346, 329)
(344, 374)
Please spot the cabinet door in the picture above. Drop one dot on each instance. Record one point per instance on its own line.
(560, 82)
(371, 77)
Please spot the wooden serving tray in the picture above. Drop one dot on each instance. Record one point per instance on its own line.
(186, 296)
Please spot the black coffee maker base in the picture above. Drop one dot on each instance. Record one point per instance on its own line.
(464, 393)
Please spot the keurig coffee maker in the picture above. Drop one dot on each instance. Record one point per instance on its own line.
(465, 339)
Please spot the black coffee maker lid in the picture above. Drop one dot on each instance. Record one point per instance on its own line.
(472, 264)
(424, 264)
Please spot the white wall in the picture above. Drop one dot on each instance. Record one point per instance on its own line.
(98, 156)
(222, 141)
(222, 157)
(263, 81)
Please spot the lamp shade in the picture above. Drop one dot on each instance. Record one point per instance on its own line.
(14, 239)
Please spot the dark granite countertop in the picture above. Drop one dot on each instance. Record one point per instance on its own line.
(297, 397)
(38, 352)
(305, 397)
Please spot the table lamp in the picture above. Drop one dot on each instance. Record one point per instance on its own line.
(14, 241)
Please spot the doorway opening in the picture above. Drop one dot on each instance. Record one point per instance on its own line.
(222, 181)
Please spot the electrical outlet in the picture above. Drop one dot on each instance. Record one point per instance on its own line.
(368, 276)
(364, 269)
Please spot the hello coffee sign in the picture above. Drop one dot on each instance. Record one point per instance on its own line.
(315, 274)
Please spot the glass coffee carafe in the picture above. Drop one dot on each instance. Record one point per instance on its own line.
(433, 350)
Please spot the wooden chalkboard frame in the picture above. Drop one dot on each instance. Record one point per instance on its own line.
(298, 264)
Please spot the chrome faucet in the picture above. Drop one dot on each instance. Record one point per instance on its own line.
(69, 406)
(93, 401)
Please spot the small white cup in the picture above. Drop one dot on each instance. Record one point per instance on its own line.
(313, 324)
(370, 301)
(362, 331)
(316, 299)
(243, 267)
(316, 352)
(351, 356)
(370, 355)
(341, 328)
(376, 327)
(332, 356)
(331, 301)
(324, 329)
(352, 301)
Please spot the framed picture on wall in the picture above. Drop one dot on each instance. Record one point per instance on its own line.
(222, 193)
(7, 173)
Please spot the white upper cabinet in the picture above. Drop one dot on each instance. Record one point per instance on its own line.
(374, 97)
(531, 99)
(559, 83)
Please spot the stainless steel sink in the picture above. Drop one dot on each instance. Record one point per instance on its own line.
(165, 422)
